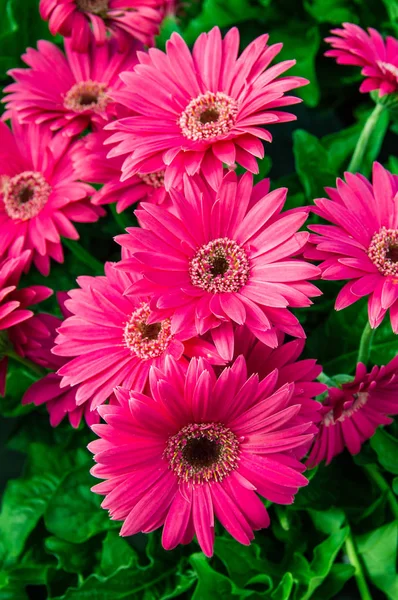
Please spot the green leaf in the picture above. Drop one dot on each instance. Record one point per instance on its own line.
(19, 379)
(395, 485)
(327, 521)
(392, 10)
(74, 512)
(169, 25)
(312, 164)
(331, 11)
(212, 584)
(334, 582)
(300, 42)
(392, 165)
(116, 553)
(386, 448)
(284, 589)
(378, 550)
(72, 558)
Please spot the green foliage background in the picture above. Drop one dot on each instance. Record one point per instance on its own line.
(55, 541)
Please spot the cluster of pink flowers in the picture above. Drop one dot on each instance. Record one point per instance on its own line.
(180, 346)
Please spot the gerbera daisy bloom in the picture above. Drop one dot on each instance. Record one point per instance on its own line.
(284, 361)
(218, 262)
(19, 329)
(196, 448)
(70, 92)
(377, 57)
(362, 243)
(111, 341)
(92, 165)
(121, 19)
(196, 112)
(39, 195)
(59, 401)
(351, 414)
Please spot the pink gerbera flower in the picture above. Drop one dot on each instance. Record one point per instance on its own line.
(196, 112)
(112, 341)
(362, 243)
(351, 414)
(59, 401)
(71, 92)
(378, 58)
(92, 165)
(197, 448)
(19, 329)
(217, 261)
(39, 194)
(122, 19)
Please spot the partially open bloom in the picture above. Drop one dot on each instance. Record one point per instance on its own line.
(40, 196)
(121, 19)
(93, 166)
(71, 92)
(362, 243)
(351, 414)
(59, 401)
(110, 341)
(217, 261)
(196, 112)
(196, 448)
(19, 329)
(377, 57)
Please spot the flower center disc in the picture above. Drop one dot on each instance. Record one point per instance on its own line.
(25, 195)
(155, 180)
(339, 414)
(143, 339)
(208, 116)
(87, 95)
(383, 251)
(202, 452)
(96, 7)
(220, 266)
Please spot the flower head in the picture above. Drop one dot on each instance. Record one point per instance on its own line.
(377, 57)
(71, 91)
(110, 342)
(193, 113)
(93, 166)
(199, 447)
(40, 196)
(230, 254)
(59, 401)
(351, 414)
(124, 20)
(361, 245)
(20, 331)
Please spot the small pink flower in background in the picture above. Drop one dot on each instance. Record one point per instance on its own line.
(59, 401)
(69, 92)
(362, 243)
(216, 261)
(197, 448)
(377, 57)
(122, 19)
(351, 414)
(111, 342)
(40, 197)
(20, 330)
(93, 166)
(196, 112)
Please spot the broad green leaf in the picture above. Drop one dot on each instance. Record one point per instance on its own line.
(212, 584)
(378, 550)
(284, 589)
(392, 164)
(334, 582)
(327, 521)
(312, 164)
(116, 553)
(19, 379)
(169, 25)
(74, 513)
(395, 485)
(331, 11)
(392, 10)
(72, 558)
(386, 448)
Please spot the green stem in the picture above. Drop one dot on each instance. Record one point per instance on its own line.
(365, 344)
(374, 475)
(323, 378)
(359, 574)
(363, 141)
(27, 363)
(121, 218)
(83, 256)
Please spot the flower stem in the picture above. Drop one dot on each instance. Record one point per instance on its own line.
(363, 141)
(83, 256)
(37, 369)
(365, 344)
(359, 574)
(374, 475)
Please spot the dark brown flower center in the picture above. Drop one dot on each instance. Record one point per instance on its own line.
(96, 7)
(209, 115)
(219, 266)
(201, 452)
(150, 332)
(26, 194)
(392, 253)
